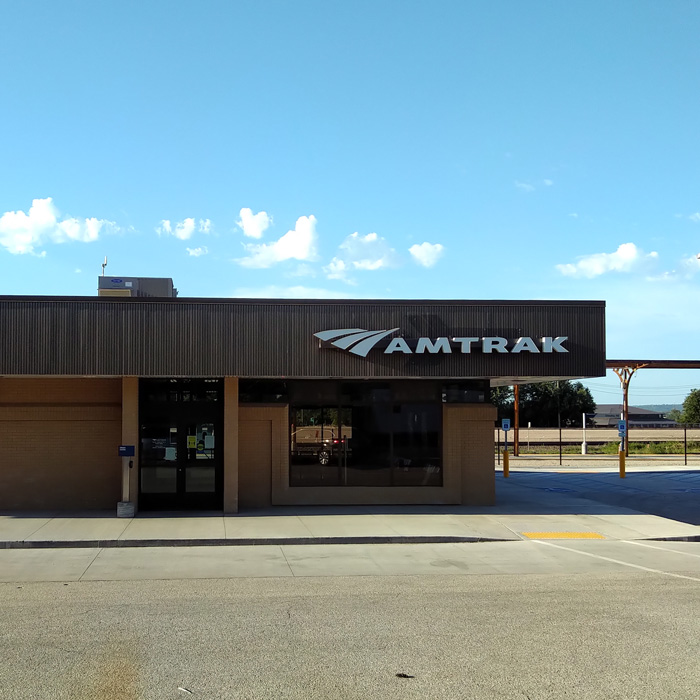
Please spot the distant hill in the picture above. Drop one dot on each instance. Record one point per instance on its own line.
(662, 407)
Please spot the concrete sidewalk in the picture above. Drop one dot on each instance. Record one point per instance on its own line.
(539, 504)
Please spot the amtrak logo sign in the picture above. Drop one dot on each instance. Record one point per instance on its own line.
(354, 340)
(358, 341)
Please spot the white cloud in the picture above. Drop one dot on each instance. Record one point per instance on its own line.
(548, 183)
(573, 215)
(21, 233)
(338, 269)
(691, 265)
(183, 230)
(356, 252)
(695, 217)
(297, 244)
(253, 225)
(667, 276)
(524, 186)
(624, 259)
(298, 292)
(196, 252)
(687, 268)
(426, 254)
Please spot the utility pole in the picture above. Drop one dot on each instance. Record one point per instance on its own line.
(516, 421)
(559, 419)
(625, 374)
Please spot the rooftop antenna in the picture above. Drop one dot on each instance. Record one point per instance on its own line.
(104, 264)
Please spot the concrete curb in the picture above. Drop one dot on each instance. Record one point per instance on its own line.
(267, 541)
(247, 542)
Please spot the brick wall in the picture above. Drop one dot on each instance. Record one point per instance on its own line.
(468, 450)
(58, 443)
(263, 452)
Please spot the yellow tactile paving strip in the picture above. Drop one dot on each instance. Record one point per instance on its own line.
(563, 535)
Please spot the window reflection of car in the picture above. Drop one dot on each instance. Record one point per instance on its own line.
(302, 435)
(333, 448)
(322, 446)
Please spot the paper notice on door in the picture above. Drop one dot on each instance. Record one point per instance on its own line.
(191, 442)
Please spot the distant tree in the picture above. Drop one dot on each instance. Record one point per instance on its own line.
(502, 399)
(675, 415)
(691, 407)
(541, 404)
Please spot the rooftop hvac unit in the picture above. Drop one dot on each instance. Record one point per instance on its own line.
(136, 286)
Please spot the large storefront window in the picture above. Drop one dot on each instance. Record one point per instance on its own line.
(365, 434)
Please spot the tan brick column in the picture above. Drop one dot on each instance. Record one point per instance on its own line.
(230, 444)
(478, 469)
(130, 431)
(468, 452)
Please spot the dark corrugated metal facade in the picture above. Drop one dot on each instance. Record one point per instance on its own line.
(275, 338)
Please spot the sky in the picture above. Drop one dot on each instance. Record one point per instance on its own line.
(386, 149)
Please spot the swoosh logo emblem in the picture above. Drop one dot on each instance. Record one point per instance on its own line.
(358, 341)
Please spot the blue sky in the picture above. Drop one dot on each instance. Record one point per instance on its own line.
(450, 150)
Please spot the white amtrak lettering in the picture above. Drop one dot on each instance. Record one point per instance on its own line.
(398, 345)
(440, 345)
(359, 341)
(466, 344)
(554, 344)
(525, 344)
(494, 343)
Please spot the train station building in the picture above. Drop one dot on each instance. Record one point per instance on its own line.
(245, 403)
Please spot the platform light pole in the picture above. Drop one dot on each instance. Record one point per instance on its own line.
(559, 418)
(625, 375)
(516, 420)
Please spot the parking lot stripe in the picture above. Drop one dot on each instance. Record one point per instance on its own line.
(618, 561)
(563, 535)
(663, 549)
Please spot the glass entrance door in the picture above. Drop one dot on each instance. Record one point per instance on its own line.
(181, 445)
(199, 470)
(159, 459)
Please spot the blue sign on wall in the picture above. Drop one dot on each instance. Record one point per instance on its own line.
(126, 451)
